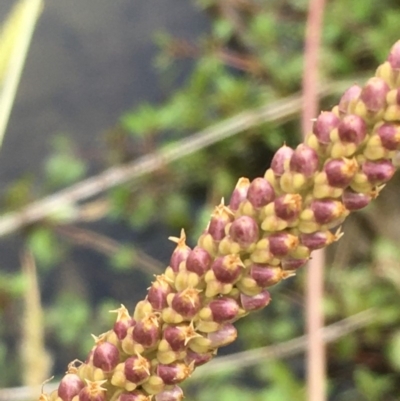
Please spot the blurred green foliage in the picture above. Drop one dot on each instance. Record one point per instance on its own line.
(252, 55)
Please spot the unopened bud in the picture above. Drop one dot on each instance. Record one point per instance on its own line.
(323, 126)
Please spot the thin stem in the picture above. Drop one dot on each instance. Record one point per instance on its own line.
(316, 362)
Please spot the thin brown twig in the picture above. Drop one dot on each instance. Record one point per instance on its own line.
(109, 247)
(65, 201)
(238, 360)
(316, 359)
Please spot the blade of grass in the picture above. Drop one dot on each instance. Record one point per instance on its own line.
(14, 44)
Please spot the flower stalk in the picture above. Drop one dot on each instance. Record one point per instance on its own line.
(266, 232)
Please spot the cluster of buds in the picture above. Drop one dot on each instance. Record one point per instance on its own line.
(266, 232)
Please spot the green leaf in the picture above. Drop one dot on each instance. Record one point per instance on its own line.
(44, 246)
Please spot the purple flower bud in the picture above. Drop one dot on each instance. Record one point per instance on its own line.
(224, 309)
(175, 338)
(326, 122)
(281, 160)
(198, 261)
(394, 56)
(288, 207)
(219, 219)
(186, 302)
(174, 373)
(354, 200)
(244, 231)
(317, 240)
(304, 160)
(173, 394)
(196, 358)
(390, 136)
(352, 129)
(158, 292)
(280, 244)
(122, 325)
(350, 96)
(70, 386)
(260, 192)
(93, 391)
(374, 94)
(106, 356)
(239, 194)
(133, 396)
(378, 172)
(259, 301)
(227, 334)
(137, 369)
(180, 253)
(340, 172)
(227, 268)
(289, 263)
(265, 275)
(147, 331)
(327, 210)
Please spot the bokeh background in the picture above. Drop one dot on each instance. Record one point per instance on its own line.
(106, 82)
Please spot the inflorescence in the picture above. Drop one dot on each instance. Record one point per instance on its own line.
(266, 232)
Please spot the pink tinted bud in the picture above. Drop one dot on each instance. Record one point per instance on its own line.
(304, 160)
(244, 231)
(265, 275)
(259, 301)
(196, 358)
(186, 302)
(280, 244)
(121, 328)
(70, 386)
(340, 172)
(288, 207)
(227, 268)
(326, 122)
(327, 210)
(106, 356)
(394, 56)
(198, 261)
(350, 96)
(289, 263)
(390, 136)
(224, 309)
(378, 172)
(219, 219)
(92, 392)
(173, 373)
(239, 194)
(260, 192)
(133, 396)
(227, 334)
(137, 369)
(176, 337)
(374, 94)
(172, 394)
(180, 253)
(354, 200)
(352, 129)
(317, 240)
(147, 331)
(281, 160)
(157, 295)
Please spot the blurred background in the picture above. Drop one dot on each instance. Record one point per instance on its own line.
(108, 82)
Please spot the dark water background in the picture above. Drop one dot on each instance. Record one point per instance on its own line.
(89, 61)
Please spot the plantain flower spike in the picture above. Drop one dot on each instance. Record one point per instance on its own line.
(262, 236)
